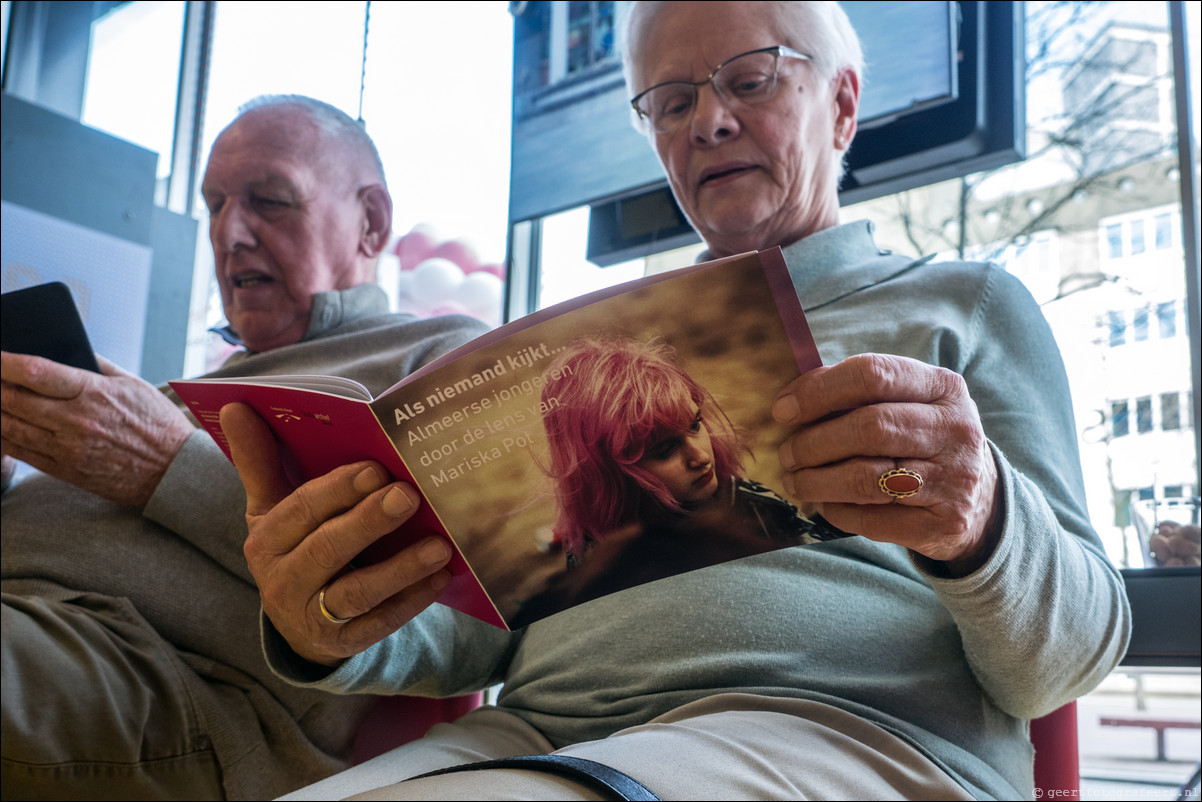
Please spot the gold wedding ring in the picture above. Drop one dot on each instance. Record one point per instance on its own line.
(321, 605)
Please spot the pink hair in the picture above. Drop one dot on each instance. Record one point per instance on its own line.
(608, 402)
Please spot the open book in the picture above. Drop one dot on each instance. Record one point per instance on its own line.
(481, 433)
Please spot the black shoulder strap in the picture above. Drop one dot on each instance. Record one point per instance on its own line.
(590, 773)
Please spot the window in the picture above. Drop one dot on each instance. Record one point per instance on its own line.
(1163, 225)
(1143, 414)
(1118, 328)
(1139, 324)
(1114, 241)
(1118, 418)
(1166, 315)
(133, 73)
(1170, 411)
(590, 34)
(1137, 237)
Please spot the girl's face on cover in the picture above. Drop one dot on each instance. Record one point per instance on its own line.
(684, 463)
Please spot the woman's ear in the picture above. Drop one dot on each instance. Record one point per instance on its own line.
(846, 94)
(377, 220)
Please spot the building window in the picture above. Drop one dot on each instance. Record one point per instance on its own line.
(1118, 418)
(1166, 315)
(590, 34)
(1170, 411)
(1143, 414)
(1146, 493)
(1114, 241)
(1164, 231)
(1137, 237)
(1118, 329)
(1140, 324)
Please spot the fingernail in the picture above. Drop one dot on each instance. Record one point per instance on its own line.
(367, 480)
(785, 455)
(397, 502)
(787, 482)
(785, 408)
(433, 552)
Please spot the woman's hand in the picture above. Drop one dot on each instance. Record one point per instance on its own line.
(873, 413)
(301, 541)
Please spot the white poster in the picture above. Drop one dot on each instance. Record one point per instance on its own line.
(109, 276)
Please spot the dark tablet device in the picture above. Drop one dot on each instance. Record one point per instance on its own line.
(44, 321)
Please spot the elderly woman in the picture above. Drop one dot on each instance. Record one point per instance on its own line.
(901, 664)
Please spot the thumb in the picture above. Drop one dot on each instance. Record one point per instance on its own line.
(256, 456)
(110, 368)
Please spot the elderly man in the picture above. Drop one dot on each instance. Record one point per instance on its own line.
(131, 658)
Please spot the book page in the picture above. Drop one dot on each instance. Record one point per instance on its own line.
(334, 385)
(473, 433)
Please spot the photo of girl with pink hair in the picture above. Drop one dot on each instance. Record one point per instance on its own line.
(648, 476)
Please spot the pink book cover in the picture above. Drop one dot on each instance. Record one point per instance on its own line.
(470, 431)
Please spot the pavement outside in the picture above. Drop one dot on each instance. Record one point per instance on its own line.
(1120, 763)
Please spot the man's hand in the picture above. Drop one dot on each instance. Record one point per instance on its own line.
(302, 540)
(113, 434)
(873, 413)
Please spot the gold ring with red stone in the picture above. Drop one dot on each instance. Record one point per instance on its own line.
(900, 482)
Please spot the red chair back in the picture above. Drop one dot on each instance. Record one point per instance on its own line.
(397, 720)
(1057, 761)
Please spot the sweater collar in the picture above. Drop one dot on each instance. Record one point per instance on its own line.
(838, 261)
(331, 309)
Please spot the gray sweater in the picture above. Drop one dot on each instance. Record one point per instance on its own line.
(954, 666)
(180, 560)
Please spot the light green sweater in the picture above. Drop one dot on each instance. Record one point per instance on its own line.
(955, 667)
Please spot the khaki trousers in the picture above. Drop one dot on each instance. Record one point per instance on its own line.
(728, 747)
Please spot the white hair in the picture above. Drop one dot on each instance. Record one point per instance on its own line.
(819, 28)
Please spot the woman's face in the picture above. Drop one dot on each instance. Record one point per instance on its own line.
(747, 177)
(684, 463)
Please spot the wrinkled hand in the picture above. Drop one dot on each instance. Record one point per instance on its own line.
(893, 412)
(114, 434)
(302, 539)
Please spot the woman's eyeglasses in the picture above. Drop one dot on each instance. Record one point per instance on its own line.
(748, 78)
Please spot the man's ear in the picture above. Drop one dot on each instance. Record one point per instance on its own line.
(377, 220)
(847, 106)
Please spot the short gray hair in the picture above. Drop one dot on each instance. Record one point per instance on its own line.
(331, 120)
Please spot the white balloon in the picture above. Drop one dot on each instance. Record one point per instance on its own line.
(480, 293)
(405, 283)
(435, 280)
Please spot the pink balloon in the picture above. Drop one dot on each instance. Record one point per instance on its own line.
(460, 251)
(416, 246)
(494, 268)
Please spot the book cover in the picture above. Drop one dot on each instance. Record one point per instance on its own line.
(605, 442)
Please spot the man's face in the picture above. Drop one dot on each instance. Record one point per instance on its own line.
(747, 177)
(286, 222)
